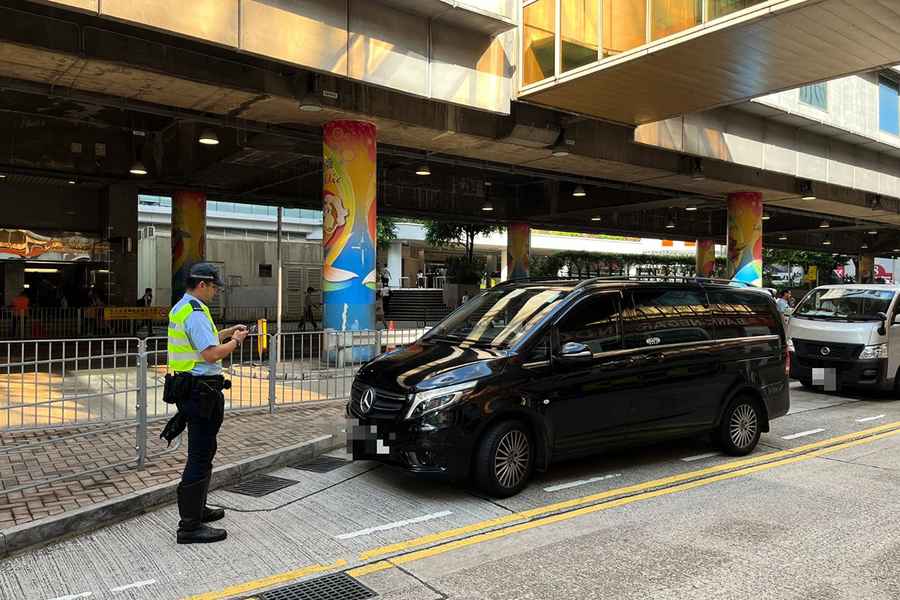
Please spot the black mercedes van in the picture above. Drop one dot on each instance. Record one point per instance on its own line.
(528, 373)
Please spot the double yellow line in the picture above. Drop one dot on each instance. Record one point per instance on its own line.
(453, 539)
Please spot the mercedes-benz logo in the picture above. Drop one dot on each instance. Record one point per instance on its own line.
(824, 350)
(367, 400)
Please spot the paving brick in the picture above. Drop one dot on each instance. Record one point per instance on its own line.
(243, 435)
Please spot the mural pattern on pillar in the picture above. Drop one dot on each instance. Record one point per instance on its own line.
(745, 237)
(188, 237)
(706, 258)
(518, 247)
(348, 229)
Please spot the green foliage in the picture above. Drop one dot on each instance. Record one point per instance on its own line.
(598, 264)
(467, 269)
(387, 231)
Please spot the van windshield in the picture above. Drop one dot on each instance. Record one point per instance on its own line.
(845, 304)
(498, 317)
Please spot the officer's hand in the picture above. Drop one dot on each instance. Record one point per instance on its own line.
(239, 328)
(240, 335)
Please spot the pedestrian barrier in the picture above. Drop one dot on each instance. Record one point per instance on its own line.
(70, 391)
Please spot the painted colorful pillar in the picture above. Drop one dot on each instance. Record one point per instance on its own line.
(188, 237)
(745, 237)
(706, 258)
(348, 228)
(518, 247)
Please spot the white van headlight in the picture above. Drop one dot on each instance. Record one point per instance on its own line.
(876, 351)
(438, 399)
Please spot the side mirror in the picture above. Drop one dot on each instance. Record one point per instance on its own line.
(883, 318)
(575, 353)
(788, 312)
(897, 319)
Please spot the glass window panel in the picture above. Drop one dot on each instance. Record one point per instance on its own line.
(539, 60)
(815, 95)
(624, 25)
(672, 16)
(667, 316)
(593, 322)
(888, 106)
(720, 8)
(578, 21)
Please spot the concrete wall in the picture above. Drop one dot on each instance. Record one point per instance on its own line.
(852, 107)
(736, 136)
(446, 58)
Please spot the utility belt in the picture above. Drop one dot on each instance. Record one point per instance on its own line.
(182, 386)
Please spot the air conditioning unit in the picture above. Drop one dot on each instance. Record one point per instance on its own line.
(147, 232)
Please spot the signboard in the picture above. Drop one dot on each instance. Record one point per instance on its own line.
(136, 313)
(64, 246)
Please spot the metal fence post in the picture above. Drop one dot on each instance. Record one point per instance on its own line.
(274, 353)
(141, 445)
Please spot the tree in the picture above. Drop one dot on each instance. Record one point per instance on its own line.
(387, 231)
(443, 234)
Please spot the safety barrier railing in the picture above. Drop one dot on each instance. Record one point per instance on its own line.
(60, 392)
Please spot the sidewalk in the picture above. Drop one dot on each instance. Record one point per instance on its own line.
(249, 442)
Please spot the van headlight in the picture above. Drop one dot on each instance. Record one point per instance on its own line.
(438, 399)
(876, 351)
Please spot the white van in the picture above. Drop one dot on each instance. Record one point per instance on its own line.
(848, 335)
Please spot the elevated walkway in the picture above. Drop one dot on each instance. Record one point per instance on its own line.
(656, 66)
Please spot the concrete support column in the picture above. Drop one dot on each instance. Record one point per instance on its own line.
(188, 237)
(119, 212)
(348, 228)
(865, 269)
(745, 237)
(395, 263)
(706, 258)
(518, 247)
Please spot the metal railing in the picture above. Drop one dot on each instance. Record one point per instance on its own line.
(54, 391)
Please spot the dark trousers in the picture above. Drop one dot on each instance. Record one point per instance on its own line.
(204, 411)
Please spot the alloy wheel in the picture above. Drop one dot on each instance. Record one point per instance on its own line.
(511, 459)
(743, 425)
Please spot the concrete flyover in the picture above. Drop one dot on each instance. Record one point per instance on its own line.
(80, 72)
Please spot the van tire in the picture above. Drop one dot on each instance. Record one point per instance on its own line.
(504, 459)
(741, 426)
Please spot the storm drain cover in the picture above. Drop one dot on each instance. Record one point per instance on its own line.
(261, 485)
(322, 464)
(337, 586)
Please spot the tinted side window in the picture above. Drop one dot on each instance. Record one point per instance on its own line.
(741, 314)
(594, 322)
(665, 316)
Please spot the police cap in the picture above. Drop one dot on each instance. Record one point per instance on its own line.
(205, 271)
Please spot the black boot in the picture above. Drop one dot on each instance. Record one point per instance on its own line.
(191, 529)
(210, 513)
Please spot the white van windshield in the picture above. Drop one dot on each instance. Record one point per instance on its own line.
(845, 304)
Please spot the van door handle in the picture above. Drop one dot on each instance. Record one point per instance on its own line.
(619, 363)
(655, 357)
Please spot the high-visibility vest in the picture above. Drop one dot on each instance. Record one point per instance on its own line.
(183, 356)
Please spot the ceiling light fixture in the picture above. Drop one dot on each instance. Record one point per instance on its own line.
(670, 224)
(864, 246)
(138, 168)
(559, 150)
(71, 182)
(595, 219)
(208, 138)
(690, 208)
(579, 192)
(824, 225)
(487, 206)
(423, 170)
(872, 232)
(782, 238)
(766, 216)
(826, 242)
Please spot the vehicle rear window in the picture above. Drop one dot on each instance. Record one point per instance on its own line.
(738, 314)
(665, 316)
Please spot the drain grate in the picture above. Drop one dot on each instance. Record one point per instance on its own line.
(261, 485)
(337, 586)
(322, 464)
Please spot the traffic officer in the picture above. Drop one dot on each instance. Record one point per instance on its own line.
(195, 351)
